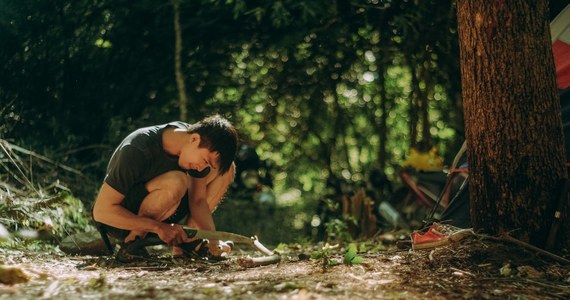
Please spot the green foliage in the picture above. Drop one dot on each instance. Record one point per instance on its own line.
(308, 83)
(49, 219)
(324, 256)
(281, 247)
(351, 257)
(337, 230)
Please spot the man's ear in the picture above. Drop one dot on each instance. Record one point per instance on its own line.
(195, 138)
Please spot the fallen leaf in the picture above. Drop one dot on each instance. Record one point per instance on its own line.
(506, 270)
(530, 272)
(13, 275)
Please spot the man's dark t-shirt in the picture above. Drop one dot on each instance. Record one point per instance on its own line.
(140, 157)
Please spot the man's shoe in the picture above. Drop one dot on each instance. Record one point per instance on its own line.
(439, 235)
(198, 249)
(127, 255)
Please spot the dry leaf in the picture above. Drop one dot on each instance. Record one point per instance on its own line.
(530, 272)
(12, 275)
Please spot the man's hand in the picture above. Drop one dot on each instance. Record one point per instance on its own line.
(172, 234)
(219, 248)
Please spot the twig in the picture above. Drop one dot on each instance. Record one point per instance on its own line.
(88, 147)
(146, 268)
(527, 280)
(10, 189)
(546, 284)
(249, 262)
(34, 154)
(12, 159)
(40, 204)
(462, 272)
(557, 258)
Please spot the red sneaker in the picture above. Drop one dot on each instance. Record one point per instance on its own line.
(438, 235)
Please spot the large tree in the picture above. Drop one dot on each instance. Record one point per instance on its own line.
(512, 116)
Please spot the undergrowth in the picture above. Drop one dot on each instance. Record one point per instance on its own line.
(35, 207)
(48, 220)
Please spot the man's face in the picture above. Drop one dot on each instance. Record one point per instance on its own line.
(192, 157)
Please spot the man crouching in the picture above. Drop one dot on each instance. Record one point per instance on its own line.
(165, 175)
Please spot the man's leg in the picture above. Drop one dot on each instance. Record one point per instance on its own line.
(216, 188)
(164, 195)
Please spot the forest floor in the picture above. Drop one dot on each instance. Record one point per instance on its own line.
(475, 267)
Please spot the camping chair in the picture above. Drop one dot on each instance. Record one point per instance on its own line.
(434, 189)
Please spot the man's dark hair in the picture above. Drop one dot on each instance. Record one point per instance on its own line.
(218, 135)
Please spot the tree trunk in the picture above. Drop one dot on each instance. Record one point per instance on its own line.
(413, 107)
(512, 116)
(182, 97)
(424, 108)
(383, 134)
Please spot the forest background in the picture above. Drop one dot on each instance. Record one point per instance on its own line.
(323, 89)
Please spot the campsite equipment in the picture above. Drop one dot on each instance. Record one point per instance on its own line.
(429, 192)
(391, 215)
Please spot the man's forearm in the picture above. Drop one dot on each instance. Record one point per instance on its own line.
(119, 217)
(108, 210)
(200, 216)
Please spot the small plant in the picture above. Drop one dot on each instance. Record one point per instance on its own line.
(324, 256)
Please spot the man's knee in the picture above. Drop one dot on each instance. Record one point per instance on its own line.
(171, 186)
(226, 179)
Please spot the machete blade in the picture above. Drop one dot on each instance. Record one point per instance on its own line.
(153, 239)
(217, 235)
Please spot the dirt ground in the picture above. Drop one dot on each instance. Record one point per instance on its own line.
(474, 268)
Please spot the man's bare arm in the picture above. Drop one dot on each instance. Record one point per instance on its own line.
(201, 216)
(108, 210)
(210, 190)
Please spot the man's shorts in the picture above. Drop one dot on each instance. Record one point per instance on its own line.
(133, 201)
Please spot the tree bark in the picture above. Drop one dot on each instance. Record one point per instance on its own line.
(426, 140)
(383, 124)
(182, 96)
(413, 106)
(512, 116)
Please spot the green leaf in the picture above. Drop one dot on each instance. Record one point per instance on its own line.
(316, 254)
(362, 247)
(357, 260)
(351, 257)
(350, 254)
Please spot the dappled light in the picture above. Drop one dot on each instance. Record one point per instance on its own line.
(385, 150)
